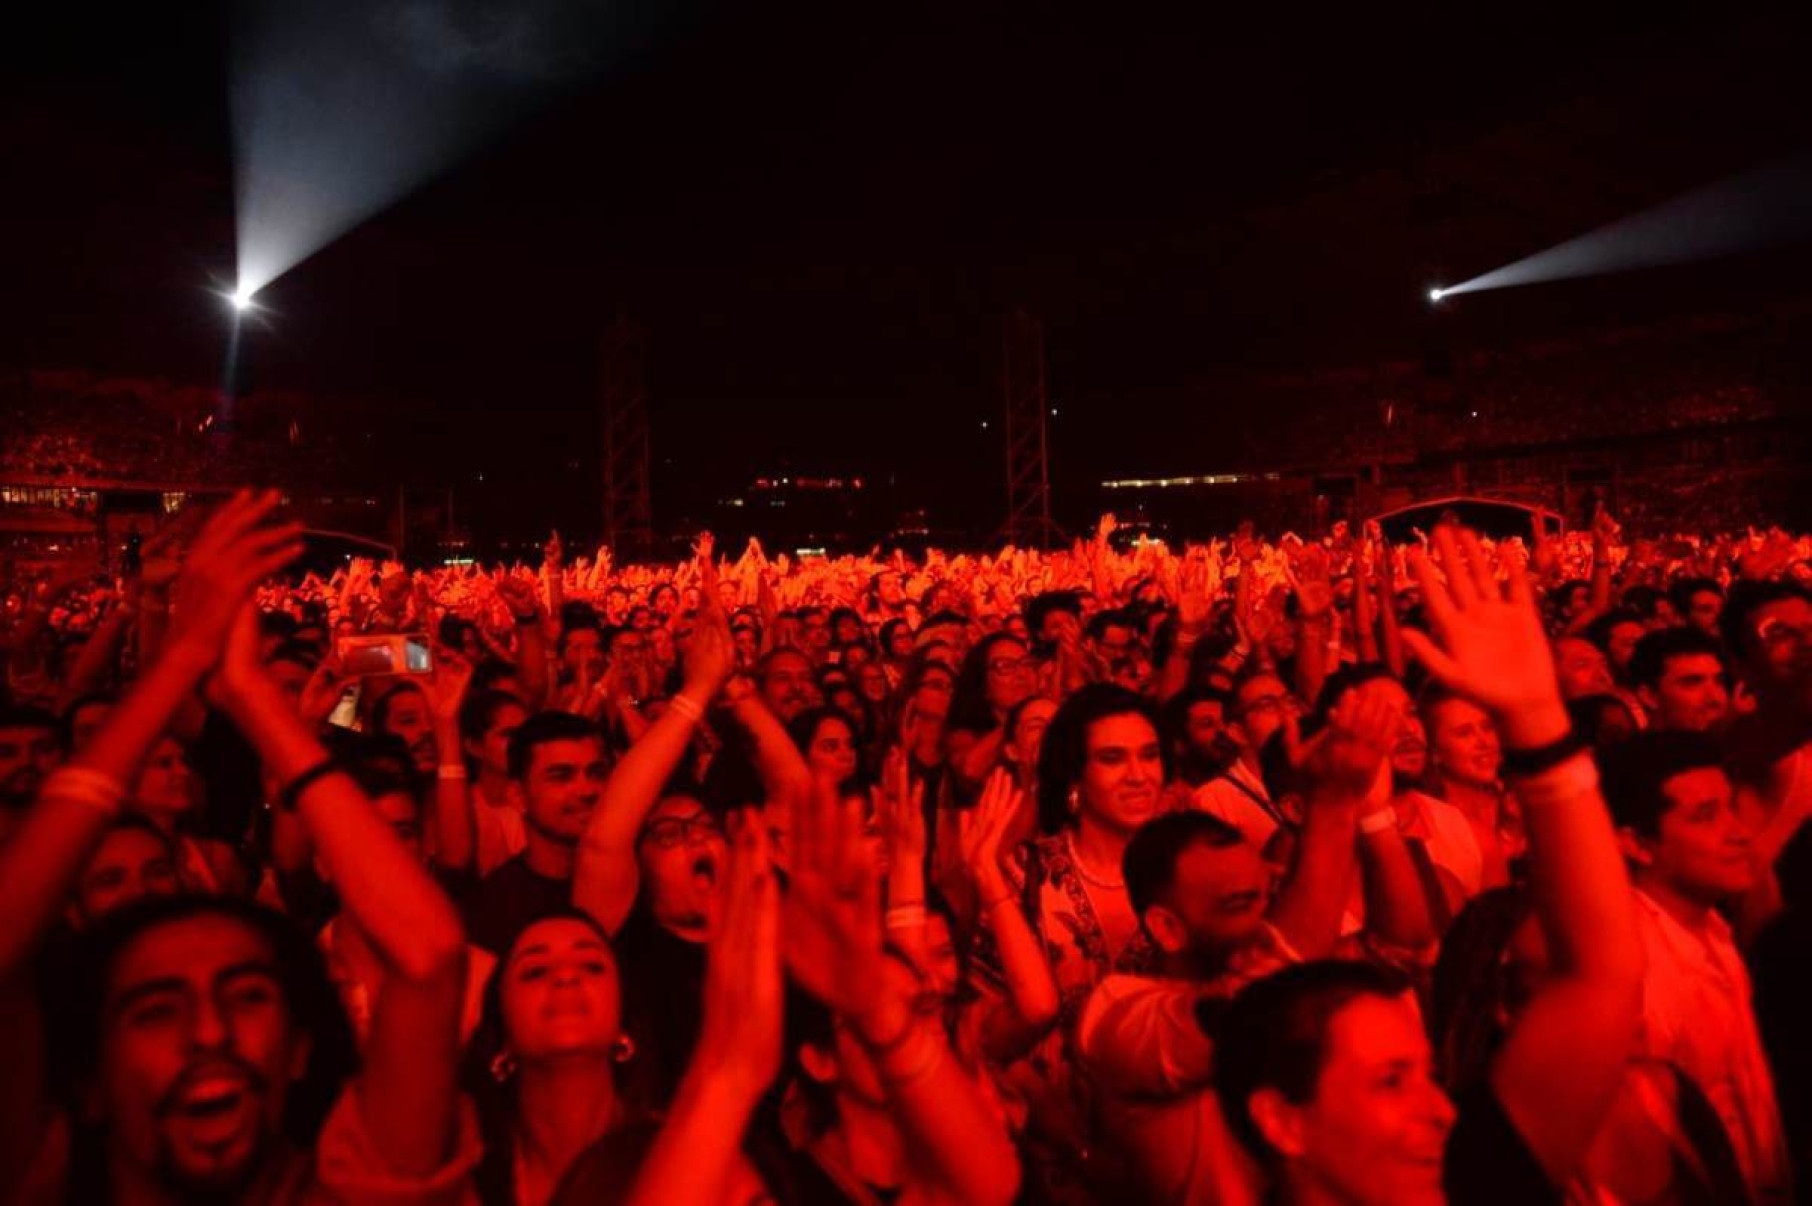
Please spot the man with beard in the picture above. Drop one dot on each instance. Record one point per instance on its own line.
(559, 765)
(1261, 704)
(28, 751)
(1195, 724)
(788, 683)
(204, 1038)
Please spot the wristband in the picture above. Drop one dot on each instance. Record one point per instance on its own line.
(905, 917)
(686, 706)
(291, 793)
(1521, 764)
(82, 785)
(1378, 822)
(1569, 780)
(452, 770)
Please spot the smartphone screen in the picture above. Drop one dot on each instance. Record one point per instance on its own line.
(418, 657)
(345, 714)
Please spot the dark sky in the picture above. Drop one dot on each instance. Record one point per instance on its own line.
(822, 212)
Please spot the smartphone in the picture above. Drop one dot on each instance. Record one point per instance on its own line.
(388, 653)
(345, 714)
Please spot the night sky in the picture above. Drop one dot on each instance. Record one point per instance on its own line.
(822, 212)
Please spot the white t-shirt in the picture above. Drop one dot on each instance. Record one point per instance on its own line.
(1239, 798)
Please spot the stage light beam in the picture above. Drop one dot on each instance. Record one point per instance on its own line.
(342, 108)
(1767, 207)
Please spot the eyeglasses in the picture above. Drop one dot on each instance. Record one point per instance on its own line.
(670, 833)
(1775, 632)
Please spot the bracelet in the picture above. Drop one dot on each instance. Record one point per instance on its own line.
(85, 786)
(291, 793)
(1571, 779)
(451, 771)
(1520, 764)
(1377, 822)
(686, 706)
(905, 917)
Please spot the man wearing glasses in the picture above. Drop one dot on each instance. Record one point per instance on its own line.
(1261, 704)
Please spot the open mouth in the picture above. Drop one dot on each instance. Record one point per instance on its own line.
(214, 1110)
(704, 873)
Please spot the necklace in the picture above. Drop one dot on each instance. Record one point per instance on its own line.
(1082, 869)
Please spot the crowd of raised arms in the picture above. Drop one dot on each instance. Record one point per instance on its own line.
(1311, 870)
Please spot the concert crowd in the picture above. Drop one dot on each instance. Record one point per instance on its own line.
(1306, 870)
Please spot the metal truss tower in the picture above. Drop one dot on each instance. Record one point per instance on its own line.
(628, 457)
(1028, 409)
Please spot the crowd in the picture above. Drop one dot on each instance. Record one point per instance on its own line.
(1307, 870)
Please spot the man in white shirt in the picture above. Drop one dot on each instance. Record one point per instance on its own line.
(1204, 897)
(1689, 852)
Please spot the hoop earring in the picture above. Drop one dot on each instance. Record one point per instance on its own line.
(623, 1050)
(503, 1067)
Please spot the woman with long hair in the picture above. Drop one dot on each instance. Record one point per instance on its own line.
(1101, 774)
(550, 1067)
(996, 676)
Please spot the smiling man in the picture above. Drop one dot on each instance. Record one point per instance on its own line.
(1689, 853)
(559, 764)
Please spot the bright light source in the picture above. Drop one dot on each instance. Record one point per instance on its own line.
(1434, 295)
(241, 299)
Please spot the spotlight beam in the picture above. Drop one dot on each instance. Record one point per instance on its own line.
(1766, 207)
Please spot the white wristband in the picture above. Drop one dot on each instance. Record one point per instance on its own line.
(1377, 822)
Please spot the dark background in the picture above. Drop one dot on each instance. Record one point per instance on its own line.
(823, 212)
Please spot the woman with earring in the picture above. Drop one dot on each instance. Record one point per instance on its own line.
(553, 1068)
(1101, 774)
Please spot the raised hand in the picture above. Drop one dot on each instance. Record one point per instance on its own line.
(232, 553)
(160, 557)
(981, 829)
(1487, 640)
(446, 686)
(1349, 757)
(519, 595)
(833, 910)
(900, 807)
(711, 654)
(740, 1039)
(1311, 579)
